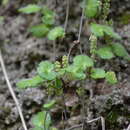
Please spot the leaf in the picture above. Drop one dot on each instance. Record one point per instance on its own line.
(31, 8)
(119, 50)
(32, 82)
(45, 11)
(92, 8)
(75, 72)
(100, 30)
(48, 20)
(97, 30)
(111, 77)
(105, 52)
(48, 16)
(49, 105)
(83, 61)
(110, 32)
(45, 70)
(57, 32)
(97, 73)
(42, 119)
(58, 83)
(40, 30)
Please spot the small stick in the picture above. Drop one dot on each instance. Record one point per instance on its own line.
(103, 123)
(93, 120)
(80, 28)
(12, 92)
(71, 49)
(67, 15)
(73, 127)
(99, 118)
(128, 127)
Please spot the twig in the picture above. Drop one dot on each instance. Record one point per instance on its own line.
(83, 112)
(67, 15)
(73, 127)
(103, 123)
(93, 120)
(65, 109)
(11, 91)
(71, 49)
(99, 118)
(80, 28)
(128, 127)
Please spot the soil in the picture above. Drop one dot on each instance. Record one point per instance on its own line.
(22, 53)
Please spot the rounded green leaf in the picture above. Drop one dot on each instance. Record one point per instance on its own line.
(119, 50)
(57, 32)
(92, 8)
(48, 17)
(49, 105)
(46, 70)
(105, 52)
(48, 20)
(111, 77)
(100, 30)
(110, 32)
(32, 82)
(83, 61)
(97, 30)
(42, 119)
(75, 72)
(31, 8)
(40, 30)
(97, 73)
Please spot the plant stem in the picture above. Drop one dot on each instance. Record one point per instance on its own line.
(54, 50)
(80, 28)
(67, 14)
(12, 91)
(45, 120)
(83, 109)
(65, 109)
(71, 49)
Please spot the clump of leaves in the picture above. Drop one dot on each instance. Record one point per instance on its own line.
(47, 72)
(47, 26)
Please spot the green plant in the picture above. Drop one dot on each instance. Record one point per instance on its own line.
(55, 75)
(46, 27)
(47, 72)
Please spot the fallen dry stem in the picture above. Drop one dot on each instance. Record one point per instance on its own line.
(11, 91)
(128, 127)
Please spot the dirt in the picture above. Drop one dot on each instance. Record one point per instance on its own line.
(22, 53)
